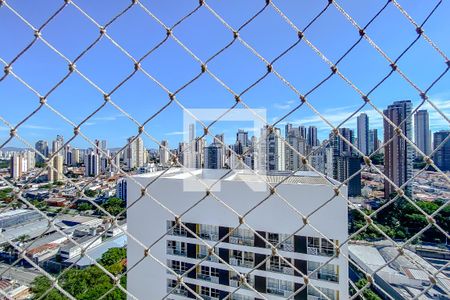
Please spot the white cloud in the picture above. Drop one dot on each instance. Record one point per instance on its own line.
(284, 105)
(176, 133)
(36, 127)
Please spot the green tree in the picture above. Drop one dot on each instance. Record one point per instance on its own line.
(84, 206)
(368, 293)
(114, 205)
(86, 284)
(90, 193)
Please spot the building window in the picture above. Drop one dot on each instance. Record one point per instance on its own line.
(273, 239)
(235, 280)
(209, 293)
(208, 273)
(327, 248)
(174, 229)
(178, 267)
(287, 242)
(174, 289)
(176, 248)
(320, 246)
(242, 236)
(208, 232)
(242, 258)
(279, 287)
(279, 265)
(203, 252)
(329, 293)
(328, 272)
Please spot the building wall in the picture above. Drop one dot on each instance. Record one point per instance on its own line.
(147, 222)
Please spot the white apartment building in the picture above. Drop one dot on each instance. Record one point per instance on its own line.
(244, 250)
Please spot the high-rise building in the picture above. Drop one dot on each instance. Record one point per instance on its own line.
(312, 136)
(76, 158)
(30, 158)
(121, 189)
(303, 132)
(272, 277)
(214, 156)
(42, 147)
(317, 158)
(91, 164)
(373, 140)
(272, 157)
(56, 168)
(134, 153)
(57, 145)
(442, 155)
(363, 133)
(398, 154)
(17, 166)
(68, 158)
(297, 146)
(199, 152)
(347, 167)
(164, 154)
(422, 134)
(242, 142)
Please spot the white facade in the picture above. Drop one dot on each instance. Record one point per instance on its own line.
(164, 154)
(149, 222)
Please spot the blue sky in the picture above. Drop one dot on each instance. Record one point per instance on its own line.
(136, 32)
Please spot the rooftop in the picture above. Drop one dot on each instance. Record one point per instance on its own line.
(299, 177)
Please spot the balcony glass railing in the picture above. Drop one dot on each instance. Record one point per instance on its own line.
(178, 252)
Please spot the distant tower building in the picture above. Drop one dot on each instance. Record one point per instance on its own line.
(312, 136)
(91, 164)
(68, 158)
(442, 155)
(56, 168)
(57, 145)
(297, 145)
(363, 133)
(242, 142)
(76, 159)
(344, 147)
(134, 153)
(30, 159)
(422, 134)
(373, 140)
(121, 189)
(398, 154)
(42, 147)
(199, 152)
(317, 158)
(303, 132)
(214, 156)
(273, 151)
(164, 153)
(347, 166)
(16, 165)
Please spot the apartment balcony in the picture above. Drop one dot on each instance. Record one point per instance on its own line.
(209, 278)
(278, 292)
(239, 240)
(177, 252)
(283, 270)
(320, 251)
(324, 276)
(205, 297)
(241, 263)
(209, 236)
(177, 291)
(210, 258)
